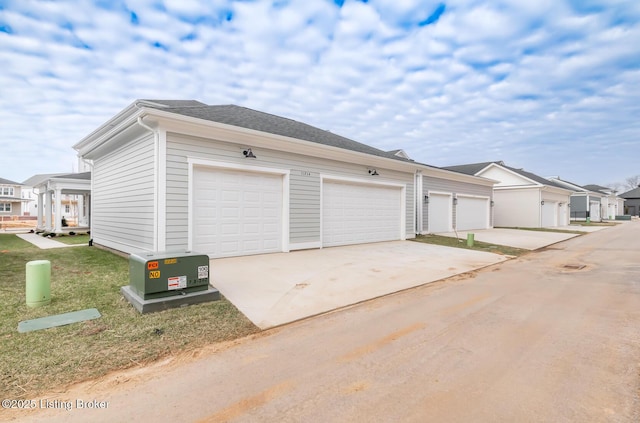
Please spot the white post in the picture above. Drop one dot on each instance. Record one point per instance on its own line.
(40, 210)
(58, 226)
(81, 215)
(48, 211)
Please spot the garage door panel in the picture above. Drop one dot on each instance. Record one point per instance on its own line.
(549, 214)
(354, 213)
(439, 213)
(472, 213)
(236, 213)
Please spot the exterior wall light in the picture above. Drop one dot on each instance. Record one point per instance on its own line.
(542, 203)
(455, 201)
(426, 199)
(492, 203)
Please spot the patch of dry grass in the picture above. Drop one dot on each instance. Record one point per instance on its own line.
(477, 245)
(86, 277)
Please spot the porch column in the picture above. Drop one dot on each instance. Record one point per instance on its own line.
(58, 226)
(49, 211)
(80, 210)
(39, 225)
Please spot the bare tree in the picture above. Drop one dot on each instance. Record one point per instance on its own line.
(632, 182)
(615, 186)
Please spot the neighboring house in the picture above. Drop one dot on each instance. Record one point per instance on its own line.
(62, 198)
(632, 201)
(30, 193)
(231, 181)
(521, 198)
(11, 201)
(612, 204)
(455, 202)
(584, 202)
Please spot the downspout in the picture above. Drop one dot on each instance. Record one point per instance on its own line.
(540, 207)
(156, 230)
(419, 209)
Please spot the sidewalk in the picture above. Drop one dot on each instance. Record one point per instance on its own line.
(44, 243)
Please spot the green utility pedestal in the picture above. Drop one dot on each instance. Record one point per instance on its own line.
(38, 287)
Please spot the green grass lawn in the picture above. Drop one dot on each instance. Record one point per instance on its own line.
(73, 239)
(477, 245)
(580, 223)
(560, 231)
(87, 277)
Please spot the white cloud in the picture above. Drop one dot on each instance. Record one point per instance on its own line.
(507, 79)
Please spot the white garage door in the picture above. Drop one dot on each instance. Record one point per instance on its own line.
(472, 213)
(440, 213)
(549, 214)
(594, 210)
(355, 214)
(236, 213)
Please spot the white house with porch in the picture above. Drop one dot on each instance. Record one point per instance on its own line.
(51, 192)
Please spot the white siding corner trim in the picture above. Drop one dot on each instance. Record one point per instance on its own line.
(211, 164)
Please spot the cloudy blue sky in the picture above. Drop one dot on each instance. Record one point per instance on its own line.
(551, 86)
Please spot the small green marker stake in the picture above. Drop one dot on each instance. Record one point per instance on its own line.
(470, 240)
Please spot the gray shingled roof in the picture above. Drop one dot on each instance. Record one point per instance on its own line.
(83, 175)
(264, 122)
(597, 188)
(37, 179)
(634, 193)
(8, 182)
(473, 168)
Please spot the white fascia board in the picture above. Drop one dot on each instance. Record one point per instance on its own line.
(557, 190)
(187, 125)
(514, 187)
(457, 176)
(81, 184)
(108, 132)
(569, 185)
(537, 184)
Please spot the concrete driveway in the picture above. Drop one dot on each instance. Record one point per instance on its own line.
(273, 289)
(528, 240)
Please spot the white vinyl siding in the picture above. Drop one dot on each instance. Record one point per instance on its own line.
(356, 213)
(304, 184)
(122, 210)
(451, 187)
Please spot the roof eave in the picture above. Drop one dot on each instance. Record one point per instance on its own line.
(173, 122)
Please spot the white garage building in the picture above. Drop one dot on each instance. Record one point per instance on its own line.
(231, 181)
(521, 198)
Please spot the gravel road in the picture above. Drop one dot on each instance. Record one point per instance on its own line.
(528, 340)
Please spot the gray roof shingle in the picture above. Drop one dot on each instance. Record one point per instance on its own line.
(473, 168)
(634, 193)
(8, 182)
(83, 176)
(597, 188)
(252, 119)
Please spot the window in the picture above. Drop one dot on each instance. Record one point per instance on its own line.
(6, 191)
(5, 207)
(67, 208)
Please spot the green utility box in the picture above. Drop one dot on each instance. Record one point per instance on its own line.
(166, 274)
